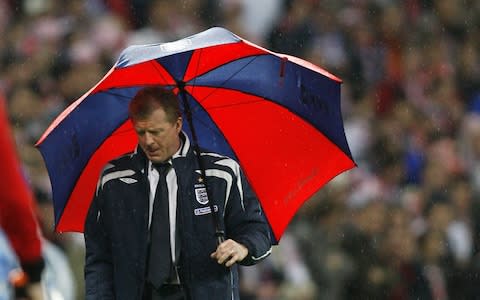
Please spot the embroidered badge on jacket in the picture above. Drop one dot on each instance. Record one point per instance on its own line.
(201, 193)
(205, 210)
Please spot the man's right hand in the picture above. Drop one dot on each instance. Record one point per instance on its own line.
(229, 252)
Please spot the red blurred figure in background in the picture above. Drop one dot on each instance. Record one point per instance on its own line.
(17, 218)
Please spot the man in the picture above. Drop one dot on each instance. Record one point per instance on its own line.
(17, 217)
(122, 231)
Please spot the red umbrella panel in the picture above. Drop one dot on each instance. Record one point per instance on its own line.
(277, 115)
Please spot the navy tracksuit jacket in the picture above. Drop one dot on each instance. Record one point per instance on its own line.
(116, 228)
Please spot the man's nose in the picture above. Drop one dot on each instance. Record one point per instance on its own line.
(148, 139)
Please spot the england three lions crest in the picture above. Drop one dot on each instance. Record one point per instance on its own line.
(201, 193)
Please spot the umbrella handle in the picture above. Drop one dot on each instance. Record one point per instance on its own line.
(220, 236)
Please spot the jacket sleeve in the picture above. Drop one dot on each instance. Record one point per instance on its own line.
(245, 223)
(98, 258)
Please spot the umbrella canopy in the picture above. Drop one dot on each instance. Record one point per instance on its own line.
(277, 115)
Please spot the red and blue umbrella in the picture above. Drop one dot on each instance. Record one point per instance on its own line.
(277, 115)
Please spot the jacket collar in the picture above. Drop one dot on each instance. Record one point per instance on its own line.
(184, 148)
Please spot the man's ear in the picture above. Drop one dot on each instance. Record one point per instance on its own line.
(179, 124)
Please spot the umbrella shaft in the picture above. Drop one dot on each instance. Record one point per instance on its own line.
(220, 234)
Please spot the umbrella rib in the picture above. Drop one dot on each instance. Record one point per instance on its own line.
(228, 79)
(155, 66)
(198, 66)
(236, 104)
(206, 124)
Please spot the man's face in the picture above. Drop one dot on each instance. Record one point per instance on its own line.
(158, 137)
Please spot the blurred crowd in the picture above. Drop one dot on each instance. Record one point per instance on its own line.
(405, 224)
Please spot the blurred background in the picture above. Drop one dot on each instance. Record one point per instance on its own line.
(405, 224)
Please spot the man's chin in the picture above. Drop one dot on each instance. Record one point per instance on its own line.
(156, 158)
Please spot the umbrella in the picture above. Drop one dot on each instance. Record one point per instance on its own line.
(277, 115)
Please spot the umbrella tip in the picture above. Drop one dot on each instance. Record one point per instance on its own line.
(181, 84)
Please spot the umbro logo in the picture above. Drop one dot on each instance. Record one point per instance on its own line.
(128, 180)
